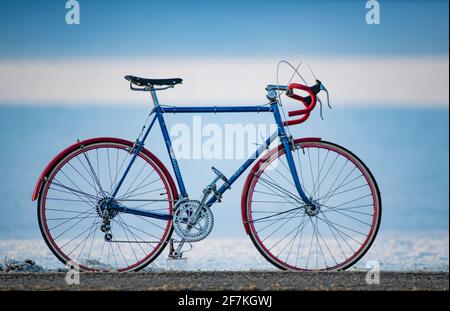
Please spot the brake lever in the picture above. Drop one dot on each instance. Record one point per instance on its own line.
(323, 88)
(320, 103)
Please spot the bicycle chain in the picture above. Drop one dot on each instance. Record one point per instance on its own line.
(144, 242)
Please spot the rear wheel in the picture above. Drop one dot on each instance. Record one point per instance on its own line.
(71, 207)
(337, 232)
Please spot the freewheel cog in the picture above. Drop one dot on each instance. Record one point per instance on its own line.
(189, 228)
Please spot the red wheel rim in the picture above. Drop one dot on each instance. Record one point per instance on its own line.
(373, 188)
(149, 160)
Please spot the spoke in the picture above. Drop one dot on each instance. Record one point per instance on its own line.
(319, 181)
(289, 233)
(313, 182)
(279, 173)
(68, 228)
(64, 218)
(129, 194)
(98, 164)
(134, 180)
(274, 221)
(70, 164)
(338, 187)
(345, 227)
(337, 177)
(64, 200)
(126, 236)
(347, 183)
(310, 246)
(279, 213)
(94, 175)
(88, 172)
(135, 235)
(120, 250)
(329, 169)
(317, 233)
(92, 244)
(77, 236)
(63, 210)
(318, 170)
(148, 209)
(335, 238)
(300, 170)
(284, 223)
(273, 194)
(109, 168)
(146, 192)
(137, 229)
(351, 211)
(351, 201)
(118, 170)
(365, 223)
(150, 222)
(87, 212)
(146, 177)
(348, 209)
(271, 202)
(286, 235)
(73, 191)
(326, 245)
(101, 253)
(94, 224)
(345, 191)
(300, 227)
(299, 244)
(281, 189)
(340, 232)
(88, 196)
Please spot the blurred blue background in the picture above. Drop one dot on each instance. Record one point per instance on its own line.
(405, 145)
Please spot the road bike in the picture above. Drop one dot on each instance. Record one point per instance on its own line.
(307, 204)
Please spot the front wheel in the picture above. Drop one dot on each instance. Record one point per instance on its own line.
(332, 235)
(72, 213)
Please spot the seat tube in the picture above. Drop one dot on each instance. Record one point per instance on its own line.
(288, 151)
(168, 142)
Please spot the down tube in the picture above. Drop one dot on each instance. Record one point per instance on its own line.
(173, 160)
(244, 166)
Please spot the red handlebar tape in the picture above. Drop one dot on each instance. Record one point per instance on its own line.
(308, 108)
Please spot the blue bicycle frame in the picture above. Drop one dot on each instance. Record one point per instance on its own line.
(159, 111)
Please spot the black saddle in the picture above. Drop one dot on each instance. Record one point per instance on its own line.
(148, 82)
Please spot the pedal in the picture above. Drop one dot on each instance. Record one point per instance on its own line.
(174, 254)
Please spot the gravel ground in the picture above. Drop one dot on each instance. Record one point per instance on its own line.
(152, 281)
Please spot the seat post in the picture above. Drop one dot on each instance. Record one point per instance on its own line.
(154, 97)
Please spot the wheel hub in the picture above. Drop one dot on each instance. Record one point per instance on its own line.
(312, 209)
(104, 209)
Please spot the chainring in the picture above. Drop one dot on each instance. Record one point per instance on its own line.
(184, 224)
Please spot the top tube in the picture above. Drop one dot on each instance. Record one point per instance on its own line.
(215, 109)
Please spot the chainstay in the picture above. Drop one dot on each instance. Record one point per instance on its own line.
(145, 200)
(144, 242)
